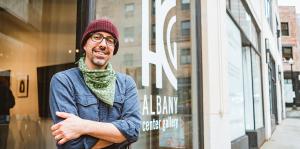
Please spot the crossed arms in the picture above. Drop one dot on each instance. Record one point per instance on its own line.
(73, 127)
(71, 131)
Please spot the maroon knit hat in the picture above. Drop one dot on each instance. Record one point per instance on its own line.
(101, 25)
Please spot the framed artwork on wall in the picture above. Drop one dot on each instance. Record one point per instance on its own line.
(23, 85)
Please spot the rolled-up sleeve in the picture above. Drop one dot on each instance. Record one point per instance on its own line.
(129, 124)
(62, 99)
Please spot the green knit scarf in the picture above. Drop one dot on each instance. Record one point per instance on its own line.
(101, 82)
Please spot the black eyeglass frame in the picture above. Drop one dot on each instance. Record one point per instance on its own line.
(103, 37)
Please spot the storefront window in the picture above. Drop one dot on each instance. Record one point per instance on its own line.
(257, 90)
(234, 7)
(247, 73)
(37, 39)
(251, 63)
(235, 77)
(289, 94)
(150, 46)
(242, 17)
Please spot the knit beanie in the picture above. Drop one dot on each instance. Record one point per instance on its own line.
(101, 25)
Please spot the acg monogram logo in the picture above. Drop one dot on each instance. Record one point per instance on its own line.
(158, 58)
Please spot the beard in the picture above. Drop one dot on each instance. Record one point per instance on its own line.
(98, 62)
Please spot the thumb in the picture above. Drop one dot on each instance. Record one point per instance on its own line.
(63, 114)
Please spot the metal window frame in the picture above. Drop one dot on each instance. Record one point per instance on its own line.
(85, 14)
(285, 31)
(199, 69)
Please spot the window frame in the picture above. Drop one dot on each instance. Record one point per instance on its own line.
(129, 13)
(285, 29)
(290, 55)
(185, 31)
(185, 6)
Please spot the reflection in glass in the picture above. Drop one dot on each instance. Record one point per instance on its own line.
(257, 90)
(248, 92)
(37, 38)
(166, 112)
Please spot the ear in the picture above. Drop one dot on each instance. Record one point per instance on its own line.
(114, 50)
(84, 48)
(85, 45)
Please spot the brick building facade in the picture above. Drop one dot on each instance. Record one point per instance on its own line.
(290, 49)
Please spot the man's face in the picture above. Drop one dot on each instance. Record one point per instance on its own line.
(99, 49)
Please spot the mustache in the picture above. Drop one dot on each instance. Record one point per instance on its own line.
(100, 50)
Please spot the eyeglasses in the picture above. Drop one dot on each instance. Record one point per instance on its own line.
(98, 37)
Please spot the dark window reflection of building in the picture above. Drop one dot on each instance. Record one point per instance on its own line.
(272, 93)
(136, 74)
(184, 95)
(185, 56)
(185, 4)
(153, 34)
(287, 52)
(129, 9)
(284, 29)
(185, 27)
(129, 34)
(128, 59)
(153, 7)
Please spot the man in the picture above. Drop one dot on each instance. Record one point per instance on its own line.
(7, 101)
(91, 105)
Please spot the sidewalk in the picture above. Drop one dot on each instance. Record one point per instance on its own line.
(287, 134)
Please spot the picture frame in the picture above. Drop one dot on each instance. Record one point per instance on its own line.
(22, 86)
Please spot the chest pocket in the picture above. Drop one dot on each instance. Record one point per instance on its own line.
(87, 106)
(115, 112)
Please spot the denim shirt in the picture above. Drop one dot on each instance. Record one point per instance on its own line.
(69, 93)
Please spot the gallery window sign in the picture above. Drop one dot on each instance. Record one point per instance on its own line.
(165, 105)
(158, 58)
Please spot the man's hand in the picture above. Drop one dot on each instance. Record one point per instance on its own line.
(70, 128)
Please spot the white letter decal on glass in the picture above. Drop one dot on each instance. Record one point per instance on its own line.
(158, 58)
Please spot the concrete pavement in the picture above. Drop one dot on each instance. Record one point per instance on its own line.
(287, 134)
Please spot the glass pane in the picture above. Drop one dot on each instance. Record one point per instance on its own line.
(288, 91)
(185, 4)
(254, 36)
(245, 22)
(129, 34)
(248, 93)
(235, 77)
(257, 90)
(151, 58)
(185, 27)
(268, 12)
(129, 9)
(37, 39)
(235, 9)
(185, 1)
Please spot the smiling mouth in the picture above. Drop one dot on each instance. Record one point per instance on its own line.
(98, 54)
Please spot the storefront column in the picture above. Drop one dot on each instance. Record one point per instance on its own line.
(215, 82)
